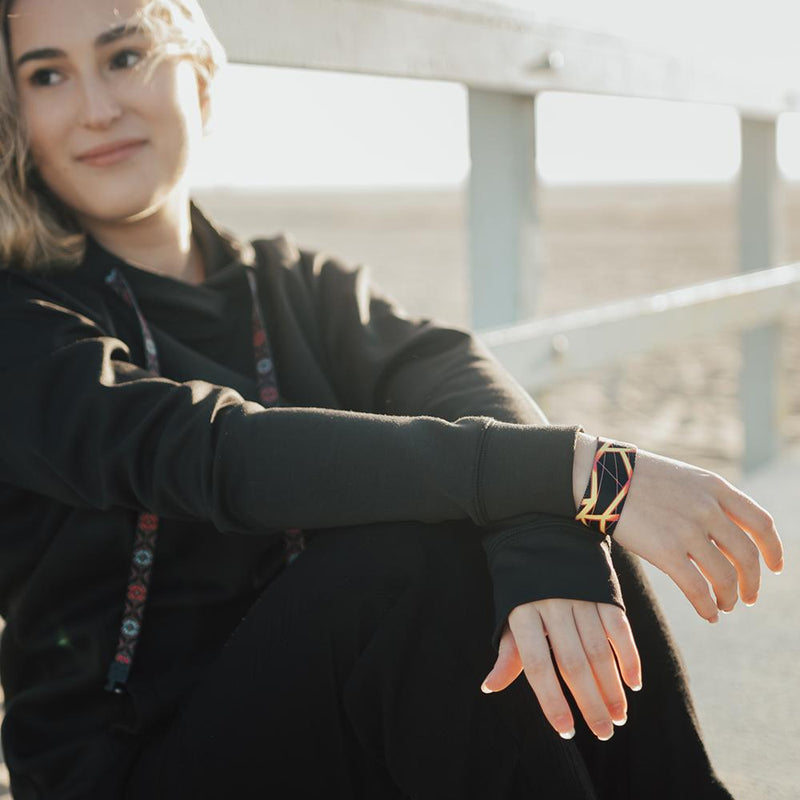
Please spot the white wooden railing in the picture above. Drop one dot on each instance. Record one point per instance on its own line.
(505, 57)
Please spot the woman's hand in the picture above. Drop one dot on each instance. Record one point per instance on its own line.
(581, 634)
(693, 525)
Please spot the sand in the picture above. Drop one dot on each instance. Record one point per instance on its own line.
(598, 244)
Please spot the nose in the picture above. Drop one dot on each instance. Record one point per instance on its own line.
(100, 105)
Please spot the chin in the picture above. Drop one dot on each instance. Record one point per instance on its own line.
(127, 208)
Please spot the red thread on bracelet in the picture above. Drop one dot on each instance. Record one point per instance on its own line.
(609, 484)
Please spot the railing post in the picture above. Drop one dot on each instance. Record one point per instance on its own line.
(758, 227)
(503, 219)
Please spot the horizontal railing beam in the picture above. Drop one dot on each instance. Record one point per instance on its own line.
(544, 351)
(483, 44)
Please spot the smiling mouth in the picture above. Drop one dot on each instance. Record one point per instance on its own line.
(112, 156)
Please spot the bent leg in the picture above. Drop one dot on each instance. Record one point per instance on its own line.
(357, 674)
(659, 752)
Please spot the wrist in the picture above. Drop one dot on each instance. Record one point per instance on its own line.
(608, 484)
(583, 459)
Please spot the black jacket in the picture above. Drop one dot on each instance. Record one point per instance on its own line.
(385, 418)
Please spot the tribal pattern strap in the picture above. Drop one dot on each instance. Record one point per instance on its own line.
(144, 546)
(610, 481)
(269, 395)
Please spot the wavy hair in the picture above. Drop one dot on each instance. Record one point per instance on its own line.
(38, 231)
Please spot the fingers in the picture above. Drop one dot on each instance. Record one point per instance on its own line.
(721, 574)
(693, 585)
(619, 633)
(529, 634)
(740, 552)
(507, 666)
(751, 517)
(582, 635)
(579, 649)
(729, 558)
(700, 530)
(743, 554)
(594, 638)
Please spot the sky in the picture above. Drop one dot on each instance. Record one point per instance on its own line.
(281, 128)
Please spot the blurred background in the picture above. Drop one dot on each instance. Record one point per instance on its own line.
(635, 197)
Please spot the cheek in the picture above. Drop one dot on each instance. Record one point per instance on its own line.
(44, 134)
(177, 119)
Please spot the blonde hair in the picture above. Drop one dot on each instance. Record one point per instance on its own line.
(37, 231)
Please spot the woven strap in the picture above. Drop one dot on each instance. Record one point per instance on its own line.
(144, 547)
(609, 483)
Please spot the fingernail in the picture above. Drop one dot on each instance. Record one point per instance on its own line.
(714, 619)
(620, 722)
(568, 735)
(605, 738)
(485, 689)
(618, 712)
(749, 605)
(637, 687)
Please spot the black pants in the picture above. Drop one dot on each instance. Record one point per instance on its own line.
(357, 675)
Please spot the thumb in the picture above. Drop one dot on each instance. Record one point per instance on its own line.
(507, 666)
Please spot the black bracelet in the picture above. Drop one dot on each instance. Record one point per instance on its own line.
(608, 486)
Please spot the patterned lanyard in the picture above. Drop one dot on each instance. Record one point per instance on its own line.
(147, 524)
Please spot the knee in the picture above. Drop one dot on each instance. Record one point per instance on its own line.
(448, 555)
(440, 568)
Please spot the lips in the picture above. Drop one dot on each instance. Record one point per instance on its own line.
(111, 153)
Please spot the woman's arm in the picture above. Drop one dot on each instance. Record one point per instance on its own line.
(381, 360)
(712, 534)
(84, 425)
(410, 366)
(403, 365)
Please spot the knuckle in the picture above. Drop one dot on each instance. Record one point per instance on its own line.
(697, 531)
(707, 512)
(729, 580)
(750, 556)
(763, 518)
(572, 664)
(696, 589)
(718, 483)
(617, 628)
(538, 666)
(596, 649)
(613, 616)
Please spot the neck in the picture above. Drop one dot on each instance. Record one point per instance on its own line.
(160, 242)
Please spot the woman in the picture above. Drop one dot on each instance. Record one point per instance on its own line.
(249, 505)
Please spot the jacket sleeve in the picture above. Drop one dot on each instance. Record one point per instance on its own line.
(84, 425)
(392, 363)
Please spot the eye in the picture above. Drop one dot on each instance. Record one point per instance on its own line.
(126, 59)
(42, 77)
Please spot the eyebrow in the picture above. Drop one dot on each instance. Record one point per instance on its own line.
(122, 31)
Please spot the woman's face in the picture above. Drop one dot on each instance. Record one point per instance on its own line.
(82, 82)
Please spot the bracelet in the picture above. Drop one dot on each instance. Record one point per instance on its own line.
(610, 481)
